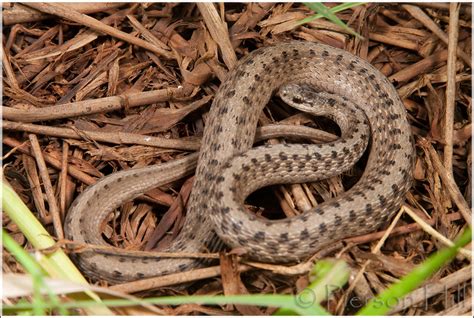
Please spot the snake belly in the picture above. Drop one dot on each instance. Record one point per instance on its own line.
(215, 204)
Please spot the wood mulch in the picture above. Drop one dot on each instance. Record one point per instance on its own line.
(83, 83)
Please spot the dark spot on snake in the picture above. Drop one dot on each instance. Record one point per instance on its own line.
(246, 100)
(182, 267)
(234, 142)
(117, 274)
(283, 156)
(377, 86)
(322, 228)
(312, 52)
(377, 180)
(319, 211)
(372, 76)
(335, 204)
(236, 176)
(106, 187)
(254, 161)
(233, 189)
(140, 275)
(304, 235)
(325, 53)
(219, 195)
(383, 200)
(352, 215)
(331, 101)
(283, 237)
(395, 188)
(220, 179)
(333, 154)
(225, 210)
(119, 179)
(368, 209)
(257, 77)
(259, 236)
(339, 58)
(236, 227)
(362, 71)
(337, 220)
(230, 94)
(395, 146)
(245, 168)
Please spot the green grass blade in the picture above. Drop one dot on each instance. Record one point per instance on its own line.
(256, 300)
(329, 14)
(37, 274)
(327, 275)
(331, 274)
(381, 304)
(57, 264)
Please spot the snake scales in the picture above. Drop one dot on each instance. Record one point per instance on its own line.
(226, 172)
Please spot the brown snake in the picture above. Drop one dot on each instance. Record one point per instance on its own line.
(227, 171)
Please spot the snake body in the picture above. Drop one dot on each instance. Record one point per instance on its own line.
(227, 171)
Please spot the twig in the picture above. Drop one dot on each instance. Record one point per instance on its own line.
(19, 13)
(431, 231)
(11, 78)
(421, 16)
(431, 289)
(76, 173)
(120, 138)
(172, 279)
(63, 178)
(403, 229)
(420, 67)
(72, 15)
(451, 88)
(48, 187)
(462, 308)
(94, 106)
(448, 181)
(218, 30)
(375, 250)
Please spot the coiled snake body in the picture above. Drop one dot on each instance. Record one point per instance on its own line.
(227, 171)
